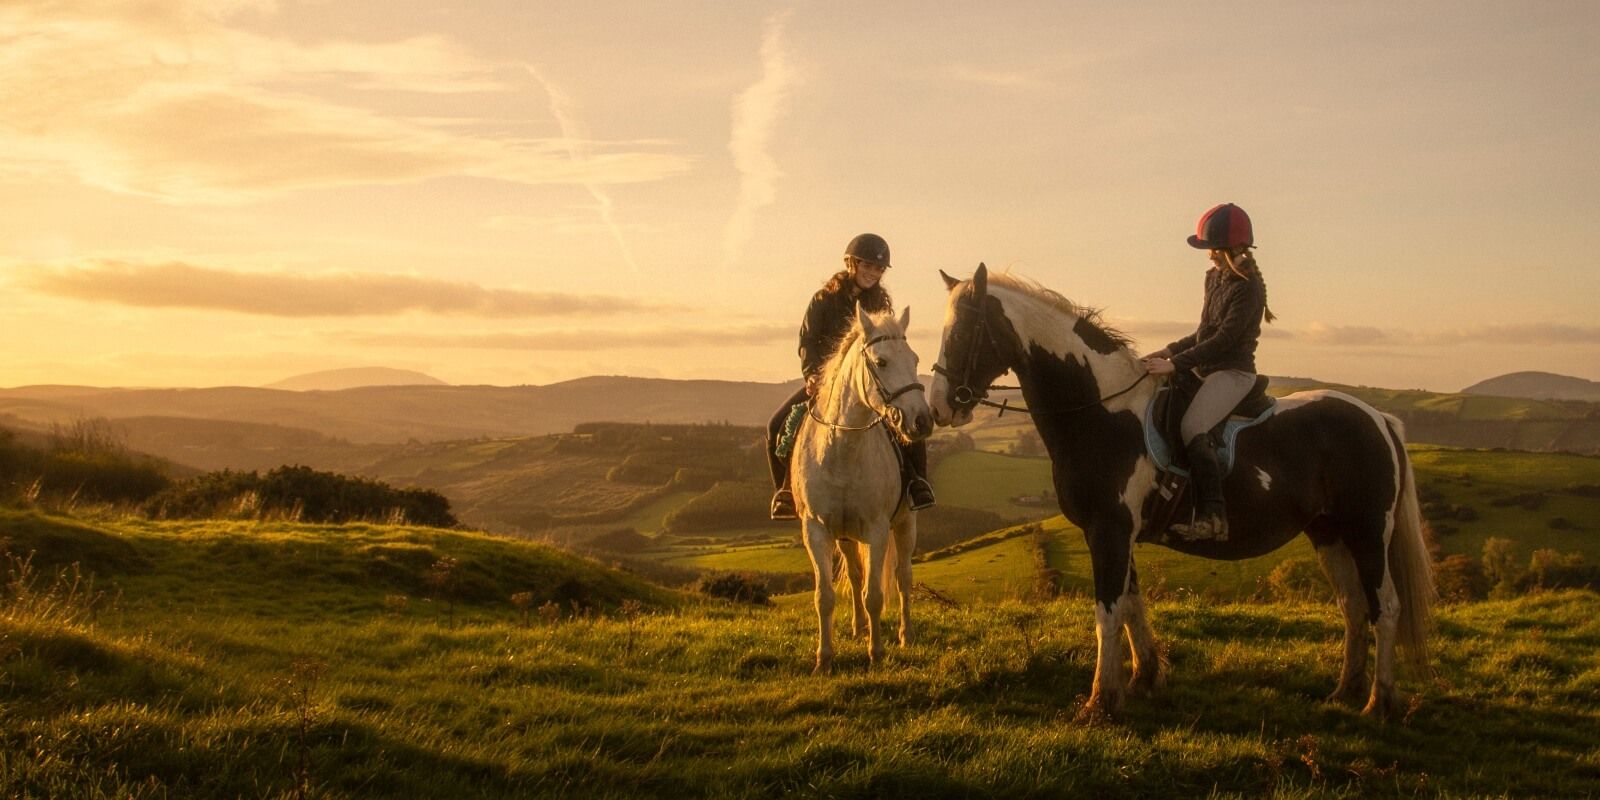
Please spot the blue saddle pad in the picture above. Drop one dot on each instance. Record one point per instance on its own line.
(1162, 455)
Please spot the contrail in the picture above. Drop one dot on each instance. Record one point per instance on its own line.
(755, 112)
(576, 141)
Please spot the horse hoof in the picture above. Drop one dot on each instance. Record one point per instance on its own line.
(1099, 709)
(1144, 683)
(1383, 706)
(824, 667)
(1346, 696)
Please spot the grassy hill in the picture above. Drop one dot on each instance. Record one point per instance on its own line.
(267, 661)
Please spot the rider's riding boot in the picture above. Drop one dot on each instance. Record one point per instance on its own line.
(1210, 516)
(914, 462)
(783, 504)
(921, 493)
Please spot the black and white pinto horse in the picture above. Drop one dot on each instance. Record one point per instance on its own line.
(1326, 464)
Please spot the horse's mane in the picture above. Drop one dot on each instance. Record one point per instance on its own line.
(1050, 297)
(836, 361)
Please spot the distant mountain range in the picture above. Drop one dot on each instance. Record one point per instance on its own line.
(333, 380)
(1538, 386)
(350, 429)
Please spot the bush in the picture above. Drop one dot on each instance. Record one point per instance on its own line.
(299, 493)
(82, 464)
(1500, 565)
(1548, 569)
(1298, 579)
(743, 588)
(1461, 579)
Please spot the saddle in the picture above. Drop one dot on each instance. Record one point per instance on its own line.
(1172, 499)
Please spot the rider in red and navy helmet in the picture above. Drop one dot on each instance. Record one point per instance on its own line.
(1222, 351)
(827, 320)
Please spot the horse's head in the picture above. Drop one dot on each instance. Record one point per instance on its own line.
(888, 380)
(979, 345)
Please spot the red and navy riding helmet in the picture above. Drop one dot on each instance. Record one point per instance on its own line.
(1223, 228)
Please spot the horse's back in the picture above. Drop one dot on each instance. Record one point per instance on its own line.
(1321, 452)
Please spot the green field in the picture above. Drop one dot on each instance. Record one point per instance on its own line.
(987, 481)
(275, 660)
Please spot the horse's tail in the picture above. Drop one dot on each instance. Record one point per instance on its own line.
(1409, 560)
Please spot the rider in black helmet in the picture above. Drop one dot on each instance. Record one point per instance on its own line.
(827, 319)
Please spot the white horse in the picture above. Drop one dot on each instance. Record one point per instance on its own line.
(846, 475)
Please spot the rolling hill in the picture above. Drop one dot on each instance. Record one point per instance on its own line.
(334, 380)
(1538, 386)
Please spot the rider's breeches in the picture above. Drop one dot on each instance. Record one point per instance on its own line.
(778, 465)
(1215, 400)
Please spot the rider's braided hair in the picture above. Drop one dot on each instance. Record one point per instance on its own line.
(1244, 265)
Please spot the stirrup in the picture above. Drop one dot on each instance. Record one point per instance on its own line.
(920, 486)
(783, 505)
(1213, 529)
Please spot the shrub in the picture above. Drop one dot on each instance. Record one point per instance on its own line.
(1298, 579)
(1500, 565)
(1548, 569)
(299, 493)
(1461, 579)
(743, 588)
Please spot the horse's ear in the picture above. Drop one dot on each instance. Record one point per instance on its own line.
(949, 282)
(980, 282)
(862, 318)
(905, 319)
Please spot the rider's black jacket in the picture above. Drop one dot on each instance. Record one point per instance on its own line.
(828, 319)
(1230, 325)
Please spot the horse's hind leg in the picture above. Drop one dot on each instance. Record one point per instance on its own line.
(1368, 548)
(1340, 567)
(851, 550)
(877, 544)
(820, 546)
(905, 541)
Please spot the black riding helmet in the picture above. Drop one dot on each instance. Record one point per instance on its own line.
(868, 247)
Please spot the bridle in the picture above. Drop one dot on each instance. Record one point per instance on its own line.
(963, 394)
(887, 396)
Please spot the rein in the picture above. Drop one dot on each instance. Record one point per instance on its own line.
(877, 383)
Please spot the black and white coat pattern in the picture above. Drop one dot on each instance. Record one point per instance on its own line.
(1325, 464)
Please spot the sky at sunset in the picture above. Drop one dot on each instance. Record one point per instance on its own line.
(236, 191)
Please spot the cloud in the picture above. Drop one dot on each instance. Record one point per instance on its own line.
(1545, 333)
(997, 78)
(1345, 335)
(755, 113)
(578, 154)
(176, 104)
(668, 337)
(1520, 334)
(179, 285)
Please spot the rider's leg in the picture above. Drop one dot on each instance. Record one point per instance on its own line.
(782, 498)
(1217, 397)
(916, 475)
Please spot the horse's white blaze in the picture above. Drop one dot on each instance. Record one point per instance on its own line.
(1266, 480)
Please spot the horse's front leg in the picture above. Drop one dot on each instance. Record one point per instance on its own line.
(851, 550)
(877, 546)
(820, 546)
(1110, 555)
(1147, 666)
